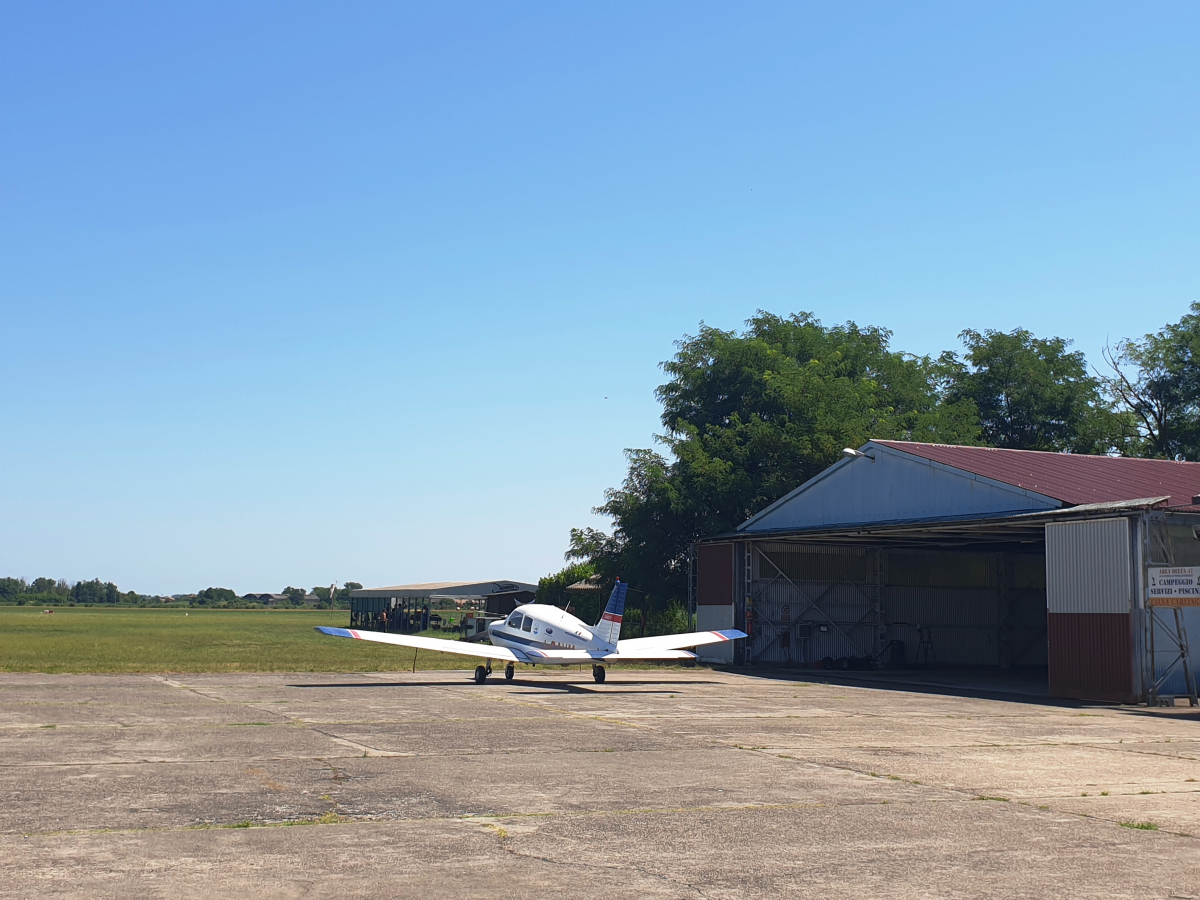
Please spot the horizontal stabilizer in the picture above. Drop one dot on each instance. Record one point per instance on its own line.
(462, 648)
(639, 646)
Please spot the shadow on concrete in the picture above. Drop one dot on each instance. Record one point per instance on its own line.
(1014, 686)
(583, 689)
(1173, 713)
(549, 687)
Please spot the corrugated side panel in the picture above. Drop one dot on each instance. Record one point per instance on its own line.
(962, 623)
(1087, 567)
(714, 575)
(965, 607)
(942, 570)
(798, 591)
(1191, 622)
(810, 564)
(787, 626)
(1091, 656)
(897, 485)
(711, 617)
(1027, 628)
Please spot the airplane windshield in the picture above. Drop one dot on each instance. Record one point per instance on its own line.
(514, 621)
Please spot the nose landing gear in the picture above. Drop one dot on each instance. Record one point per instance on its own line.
(509, 672)
(598, 674)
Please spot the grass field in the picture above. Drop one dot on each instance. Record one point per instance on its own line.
(77, 639)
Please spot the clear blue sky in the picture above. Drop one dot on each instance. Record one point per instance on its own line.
(296, 293)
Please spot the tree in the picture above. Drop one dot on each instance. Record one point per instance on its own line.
(1156, 380)
(12, 588)
(211, 596)
(553, 588)
(95, 591)
(1032, 393)
(49, 586)
(748, 417)
(342, 597)
(295, 595)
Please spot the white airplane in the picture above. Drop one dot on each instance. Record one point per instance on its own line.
(548, 636)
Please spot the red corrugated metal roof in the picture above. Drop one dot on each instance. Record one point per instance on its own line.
(1071, 478)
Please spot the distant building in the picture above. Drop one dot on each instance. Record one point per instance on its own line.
(273, 599)
(403, 601)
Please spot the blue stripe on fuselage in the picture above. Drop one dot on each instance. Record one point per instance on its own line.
(529, 642)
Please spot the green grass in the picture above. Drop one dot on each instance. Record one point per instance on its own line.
(78, 639)
(1141, 826)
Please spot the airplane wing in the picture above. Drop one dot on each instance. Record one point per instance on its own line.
(484, 651)
(559, 657)
(647, 655)
(637, 648)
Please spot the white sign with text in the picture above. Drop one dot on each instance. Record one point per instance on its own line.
(1173, 586)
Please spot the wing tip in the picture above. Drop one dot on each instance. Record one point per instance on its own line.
(333, 632)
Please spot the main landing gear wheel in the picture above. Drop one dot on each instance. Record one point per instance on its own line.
(481, 674)
(598, 674)
(510, 672)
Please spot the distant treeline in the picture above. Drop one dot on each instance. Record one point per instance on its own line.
(58, 592)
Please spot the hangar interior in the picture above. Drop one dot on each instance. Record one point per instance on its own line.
(914, 605)
(971, 595)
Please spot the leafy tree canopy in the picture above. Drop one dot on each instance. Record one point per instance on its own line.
(1032, 394)
(95, 591)
(553, 589)
(215, 595)
(748, 417)
(1156, 380)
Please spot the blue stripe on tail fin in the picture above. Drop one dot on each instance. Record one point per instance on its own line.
(609, 627)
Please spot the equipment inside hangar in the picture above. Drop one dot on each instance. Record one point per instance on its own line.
(907, 554)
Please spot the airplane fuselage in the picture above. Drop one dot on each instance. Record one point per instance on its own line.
(536, 626)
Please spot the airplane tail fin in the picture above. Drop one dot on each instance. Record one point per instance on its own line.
(609, 626)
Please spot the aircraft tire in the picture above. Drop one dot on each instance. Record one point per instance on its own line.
(598, 674)
(510, 672)
(481, 674)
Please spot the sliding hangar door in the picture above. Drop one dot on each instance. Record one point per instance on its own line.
(1063, 598)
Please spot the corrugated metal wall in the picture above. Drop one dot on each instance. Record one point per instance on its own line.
(896, 485)
(714, 574)
(1088, 567)
(1175, 683)
(810, 602)
(1091, 656)
(1089, 594)
(714, 596)
(1185, 551)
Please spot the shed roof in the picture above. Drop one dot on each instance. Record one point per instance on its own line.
(452, 588)
(1071, 478)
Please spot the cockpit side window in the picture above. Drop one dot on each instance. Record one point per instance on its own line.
(514, 621)
(528, 623)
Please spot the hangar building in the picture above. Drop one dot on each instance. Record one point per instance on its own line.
(928, 554)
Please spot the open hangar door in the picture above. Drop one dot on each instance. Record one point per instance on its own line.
(1057, 596)
(813, 604)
